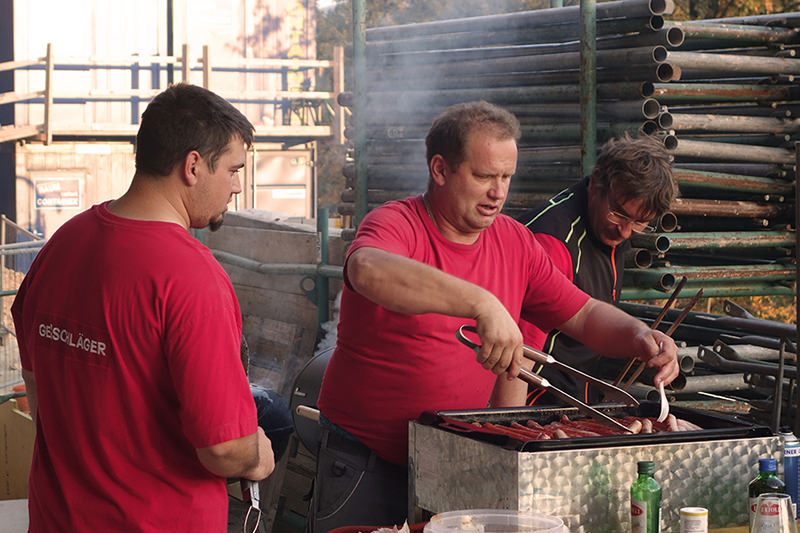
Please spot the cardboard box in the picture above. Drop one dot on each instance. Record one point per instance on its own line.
(16, 451)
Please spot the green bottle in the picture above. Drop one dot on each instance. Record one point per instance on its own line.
(646, 500)
(767, 481)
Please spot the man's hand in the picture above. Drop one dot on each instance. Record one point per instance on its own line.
(614, 333)
(501, 340)
(659, 351)
(266, 459)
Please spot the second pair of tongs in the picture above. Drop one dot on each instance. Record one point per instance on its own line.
(539, 381)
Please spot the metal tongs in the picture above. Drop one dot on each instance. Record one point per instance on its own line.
(609, 390)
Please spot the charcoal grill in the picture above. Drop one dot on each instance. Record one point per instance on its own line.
(585, 481)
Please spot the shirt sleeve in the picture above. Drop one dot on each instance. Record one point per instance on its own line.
(551, 299)
(390, 228)
(557, 251)
(21, 334)
(202, 345)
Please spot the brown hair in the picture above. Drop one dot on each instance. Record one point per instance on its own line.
(639, 167)
(183, 118)
(450, 130)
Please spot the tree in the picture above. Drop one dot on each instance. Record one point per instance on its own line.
(711, 9)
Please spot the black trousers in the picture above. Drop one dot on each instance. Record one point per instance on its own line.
(355, 487)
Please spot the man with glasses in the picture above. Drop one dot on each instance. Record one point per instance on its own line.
(586, 230)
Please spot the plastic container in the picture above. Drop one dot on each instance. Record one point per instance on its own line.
(22, 401)
(370, 529)
(494, 521)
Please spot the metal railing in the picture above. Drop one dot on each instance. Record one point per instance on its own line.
(12, 254)
(295, 105)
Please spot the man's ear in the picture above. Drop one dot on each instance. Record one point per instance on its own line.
(593, 190)
(190, 168)
(438, 169)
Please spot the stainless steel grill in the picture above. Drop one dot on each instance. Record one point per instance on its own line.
(585, 481)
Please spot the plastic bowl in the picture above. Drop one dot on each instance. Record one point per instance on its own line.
(494, 521)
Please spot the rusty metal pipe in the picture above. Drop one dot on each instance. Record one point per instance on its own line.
(522, 19)
(662, 72)
(650, 278)
(651, 241)
(643, 54)
(706, 180)
(498, 95)
(676, 93)
(715, 383)
(732, 123)
(638, 258)
(741, 169)
(732, 152)
(714, 240)
(727, 208)
(759, 109)
(714, 291)
(418, 65)
(667, 222)
(783, 140)
(699, 274)
(718, 64)
(698, 34)
(547, 34)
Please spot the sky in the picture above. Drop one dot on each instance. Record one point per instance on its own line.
(323, 4)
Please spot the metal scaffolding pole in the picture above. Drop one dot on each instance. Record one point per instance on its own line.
(588, 85)
(359, 115)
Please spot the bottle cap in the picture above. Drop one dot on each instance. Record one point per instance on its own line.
(767, 465)
(647, 467)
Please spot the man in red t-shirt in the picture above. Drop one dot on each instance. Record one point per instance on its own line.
(129, 335)
(417, 270)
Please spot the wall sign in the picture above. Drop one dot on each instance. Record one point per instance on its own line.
(56, 193)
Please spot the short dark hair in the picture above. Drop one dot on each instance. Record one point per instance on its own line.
(450, 130)
(184, 118)
(638, 167)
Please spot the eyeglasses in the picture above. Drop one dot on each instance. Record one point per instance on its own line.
(637, 226)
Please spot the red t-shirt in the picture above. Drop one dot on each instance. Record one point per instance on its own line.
(389, 367)
(132, 332)
(557, 251)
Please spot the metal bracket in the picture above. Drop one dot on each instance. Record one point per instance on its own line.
(309, 287)
(732, 309)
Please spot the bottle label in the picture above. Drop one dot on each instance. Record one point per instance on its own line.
(752, 513)
(638, 516)
(791, 472)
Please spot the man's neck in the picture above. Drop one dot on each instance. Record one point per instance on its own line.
(154, 199)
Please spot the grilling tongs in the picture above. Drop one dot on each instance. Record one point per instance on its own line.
(611, 392)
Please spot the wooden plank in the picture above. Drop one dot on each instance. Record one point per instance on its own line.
(279, 349)
(266, 246)
(13, 133)
(17, 433)
(276, 305)
(13, 65)
(9, 98)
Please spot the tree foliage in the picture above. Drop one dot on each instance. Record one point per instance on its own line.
(711, 9)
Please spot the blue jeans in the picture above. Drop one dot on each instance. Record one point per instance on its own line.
(274, 418)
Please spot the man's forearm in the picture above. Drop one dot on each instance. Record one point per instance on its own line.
(604, 328)
(247, 457)
(407, 286)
